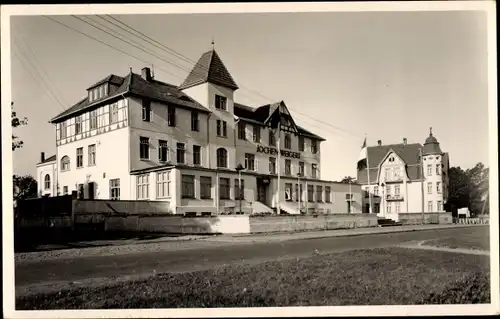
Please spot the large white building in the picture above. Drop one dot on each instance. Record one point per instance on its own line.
(405, 178)
(137, 138)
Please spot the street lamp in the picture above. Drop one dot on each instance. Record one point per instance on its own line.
(239, 168)
(299, 193)
(384, 206)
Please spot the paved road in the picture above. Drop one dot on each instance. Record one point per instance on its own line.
(77, 269)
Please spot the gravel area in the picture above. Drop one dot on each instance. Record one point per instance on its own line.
(112, 249)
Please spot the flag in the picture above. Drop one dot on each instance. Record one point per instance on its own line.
(363, 156)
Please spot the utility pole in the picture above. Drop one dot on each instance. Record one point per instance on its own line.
(422, 182)
(299, 193)
(278, 210)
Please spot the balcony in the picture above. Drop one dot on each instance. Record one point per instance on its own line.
(394, 198)
(394, 180)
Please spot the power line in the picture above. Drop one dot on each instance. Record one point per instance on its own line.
(38, 63)
(194, 62)
(38, 79)
(134, 44)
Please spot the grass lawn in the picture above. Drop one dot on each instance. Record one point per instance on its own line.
(467, 240)
(362, 277)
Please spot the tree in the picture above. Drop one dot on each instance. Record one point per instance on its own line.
(16, 121)
(24, 187)
(468, 188)
(348, 179)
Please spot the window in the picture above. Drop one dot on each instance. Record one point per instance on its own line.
(301, 168)
(92, 154)
(241, 131)
(187, 186)
(171, 116)
(64, 130)
(162, 150)
(220, 102)
(222, 158)
(143, 186)
(78, 125)
(314, 170)
(288, 141)
(375, 190)
(114, 189)
(438, 187)
(397, 190)
(113, 114)
(288, 167)
(221, 128)
(310, 193)
(388, 207)
(80, 191)
(79, 157)
(93, 120)
(429, 188)
(386, 172)
(314, 146)
(205, 187)
(440, 206)
(195, 126)
(146, 110)
(65, 164)
(429, 206)
(396, 173)
(224, 188)
(239, 192)
(288, 191)
(65, 190)
(196, 155)
(438, 169)
(163, 184)
(429, 170)
(327, 194)
(272, 165)
(398, 207)
(272, 138)
(256, 134)
(250, 162)
(144, 148)
(181, 153)
(105, 89)
(389, 190)
(301, 143)
(319, 193)
(47, 181)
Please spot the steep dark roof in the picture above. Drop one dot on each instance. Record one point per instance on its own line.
(209, 68)
(113, 79)
(431, 145)
(48, 160)
(260, 115)
(135, 84)
(409, 153)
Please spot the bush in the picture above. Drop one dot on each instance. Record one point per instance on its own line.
(473, 289)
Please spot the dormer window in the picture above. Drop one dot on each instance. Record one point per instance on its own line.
(98, 92)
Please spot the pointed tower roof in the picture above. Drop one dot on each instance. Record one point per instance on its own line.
(431, 145)
(209, 68)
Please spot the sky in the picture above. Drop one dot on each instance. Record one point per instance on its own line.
(388, 75)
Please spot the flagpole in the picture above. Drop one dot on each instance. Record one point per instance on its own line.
(369, 183)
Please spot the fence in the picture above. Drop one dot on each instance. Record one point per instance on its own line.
(472, 221)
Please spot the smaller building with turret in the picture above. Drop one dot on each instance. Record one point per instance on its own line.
(404, 178)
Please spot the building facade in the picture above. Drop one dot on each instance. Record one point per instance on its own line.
(46, 172)
(405, 178)
(137, 138)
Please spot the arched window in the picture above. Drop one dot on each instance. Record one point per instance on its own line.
(222, 157)
(65, 163)
(47, 181)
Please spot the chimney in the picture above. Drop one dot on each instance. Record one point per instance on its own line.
(146, 74)
(405, 141)
(379, 142)
(42, 156)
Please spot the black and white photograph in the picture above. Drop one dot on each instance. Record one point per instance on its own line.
(239, 159)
